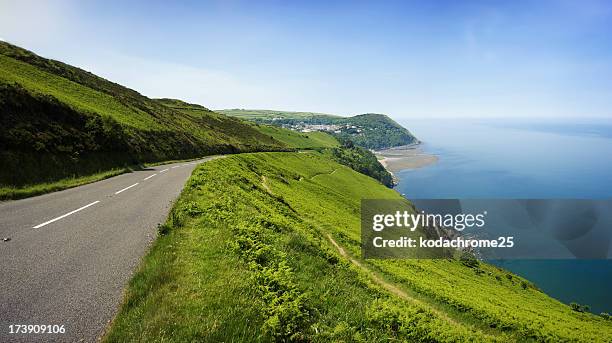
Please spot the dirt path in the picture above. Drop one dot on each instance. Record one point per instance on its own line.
(402, 294)
(389, 287)
(264, 182)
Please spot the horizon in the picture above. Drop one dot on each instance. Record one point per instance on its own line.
(486, 60)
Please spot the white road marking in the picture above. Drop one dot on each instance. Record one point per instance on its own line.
(165, 170)
(126, 188)
(66, 215)
(175, 167)
(148, 177)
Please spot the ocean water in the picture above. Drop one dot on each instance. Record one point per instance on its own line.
(517, 160)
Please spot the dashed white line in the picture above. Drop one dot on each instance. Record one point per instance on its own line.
(65, 215)
(148, 177)
(126, 188)
(162, 171)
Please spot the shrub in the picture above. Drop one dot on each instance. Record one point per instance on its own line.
(286, 306)
(469, 260)
(580, 308)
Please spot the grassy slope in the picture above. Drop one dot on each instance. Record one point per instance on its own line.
(81, 98)
(10, 193)
(292, 139)
(310, 140)
(361, 160)
(246, 255)
(59, 121)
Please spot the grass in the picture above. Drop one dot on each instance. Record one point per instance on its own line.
(310, 140)
(154, 164)
(247, 254)
(11, 193)
(75, 95)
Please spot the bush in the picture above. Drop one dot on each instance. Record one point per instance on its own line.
(469, 260)
(286, 306)
(362, 161)
(580, 308)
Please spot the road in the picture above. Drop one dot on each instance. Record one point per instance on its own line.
(71, 253)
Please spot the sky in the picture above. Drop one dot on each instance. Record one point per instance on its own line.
(407, 59)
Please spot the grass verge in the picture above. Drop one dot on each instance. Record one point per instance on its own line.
(12, 193)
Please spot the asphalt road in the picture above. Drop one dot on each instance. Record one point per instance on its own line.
(71, 253)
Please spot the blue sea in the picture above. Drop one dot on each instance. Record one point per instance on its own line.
(520, 159)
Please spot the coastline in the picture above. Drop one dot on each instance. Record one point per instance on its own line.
(404, 157)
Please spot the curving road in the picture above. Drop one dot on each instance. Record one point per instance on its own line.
(71, 253)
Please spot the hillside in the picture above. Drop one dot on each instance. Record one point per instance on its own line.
(361, 160)
(271, 114)
(60, 121)
(370, 130)
(265, 246)
(292, 139)
(310, 140)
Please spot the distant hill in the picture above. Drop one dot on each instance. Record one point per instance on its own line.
(292, 139)
(309, 140)
(370, 130)
(271, 114)
(58, 121)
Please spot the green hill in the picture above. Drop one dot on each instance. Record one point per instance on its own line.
(292, 139)
(265, 247)
(370, 130)
(60, 121)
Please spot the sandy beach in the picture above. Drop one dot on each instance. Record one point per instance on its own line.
(405, 157)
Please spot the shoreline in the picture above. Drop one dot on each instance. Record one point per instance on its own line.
(404, 157)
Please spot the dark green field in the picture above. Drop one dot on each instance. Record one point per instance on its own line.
(264, 247)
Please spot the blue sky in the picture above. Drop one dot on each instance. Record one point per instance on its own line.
(409, 59)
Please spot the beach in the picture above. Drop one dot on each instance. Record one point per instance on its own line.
(405, 157)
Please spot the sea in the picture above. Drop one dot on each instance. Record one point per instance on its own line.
(522, 159)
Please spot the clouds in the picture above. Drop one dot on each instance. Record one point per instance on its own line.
(404, 59)
(212, 88)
